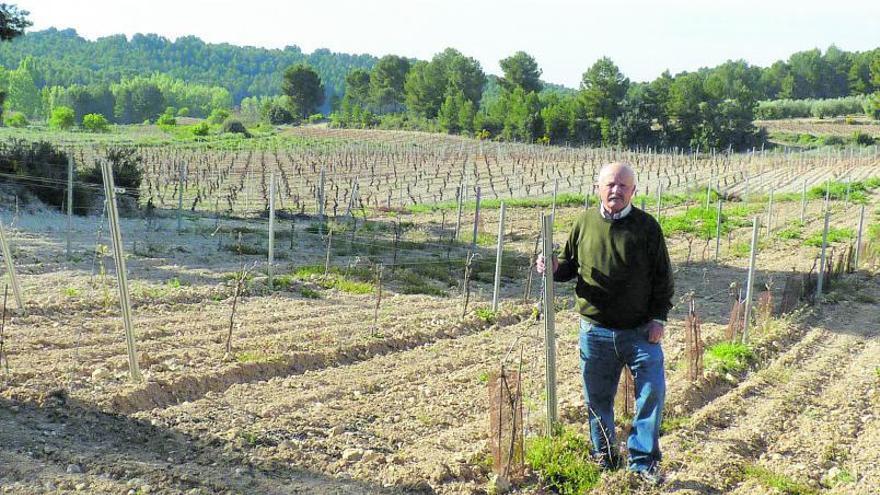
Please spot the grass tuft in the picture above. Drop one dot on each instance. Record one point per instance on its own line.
(727, 357)
(563, 462)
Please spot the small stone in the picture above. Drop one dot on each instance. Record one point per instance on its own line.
(74, 469)
(336, 430)
(352, 455)
(372, 456)
(498, 484)
(101, 374)
(80, 487)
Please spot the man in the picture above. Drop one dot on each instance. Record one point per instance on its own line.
(624, 292)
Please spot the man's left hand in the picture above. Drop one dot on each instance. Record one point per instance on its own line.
(655, 332)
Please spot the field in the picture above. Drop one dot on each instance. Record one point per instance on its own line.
(360, 370)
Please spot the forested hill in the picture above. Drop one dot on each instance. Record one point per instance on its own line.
(63, 58)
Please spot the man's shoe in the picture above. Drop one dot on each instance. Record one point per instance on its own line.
(652, 475)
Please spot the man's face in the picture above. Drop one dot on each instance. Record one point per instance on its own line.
(616, 189)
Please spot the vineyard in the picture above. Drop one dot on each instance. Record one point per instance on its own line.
(313, 313)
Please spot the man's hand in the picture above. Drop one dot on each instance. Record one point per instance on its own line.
(655, 332)
(540, 266)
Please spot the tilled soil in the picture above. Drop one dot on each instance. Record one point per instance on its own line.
(315, 399)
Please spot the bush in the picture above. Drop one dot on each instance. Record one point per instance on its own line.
(201, 129)
(318, 117)
(16, 119)
(235, 126)
(183, 112)
(727, 357)
(95, 122)
(166, 119)
(37, 159)
(62, 118)
(863, 139)
(563, 463)
(218, 115)
(278, 115)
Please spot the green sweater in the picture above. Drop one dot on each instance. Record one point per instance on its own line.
(624, 277)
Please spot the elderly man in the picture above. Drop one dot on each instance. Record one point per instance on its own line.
(624, 291)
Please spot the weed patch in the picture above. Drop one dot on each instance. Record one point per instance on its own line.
(563, 462)
(726, 357)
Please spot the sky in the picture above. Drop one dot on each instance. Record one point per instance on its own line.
(565, 37)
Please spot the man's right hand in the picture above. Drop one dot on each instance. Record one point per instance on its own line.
(540, 265)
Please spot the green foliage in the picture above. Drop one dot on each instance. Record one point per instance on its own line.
(776, 481)
(302, 84)
(563, 462)
(62, 118)
(486, 314)
(200, 129)
(309, 293)
(235, 127)
(95, 122)
(835, 234)
(790, 109)
(16, 119)
(794, 230)
(166, 119)
(697, 221)
(12, 22)
(727, 357)
(218, 116)
(520, 71)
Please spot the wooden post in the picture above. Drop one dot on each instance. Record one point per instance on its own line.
(269, 270)
(804, 202)
(821, 280)
(495, 294)
(121, 274)
(69, 204)
(458, 218)
(549, 323)
(321, 197)
(476, 221)
(750, 281)
(180, 181)
(10, 268)
(859, 238)
(718, 230)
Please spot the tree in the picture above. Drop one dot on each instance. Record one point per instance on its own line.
(62, 118)
(427, 83)
(12, 21)
(357, 87)
(386, 83)
(95, 122)
(521, 71)
(602, 88)
(304, 88)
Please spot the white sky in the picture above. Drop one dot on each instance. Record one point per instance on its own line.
(643, 37)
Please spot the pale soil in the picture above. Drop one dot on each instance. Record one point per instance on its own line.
(324, 405)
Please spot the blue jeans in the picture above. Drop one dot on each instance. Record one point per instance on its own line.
(604, 352)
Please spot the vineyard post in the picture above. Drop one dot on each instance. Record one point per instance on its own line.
(659, 199)
(460, 195)
(821, 279)
(859, 238)
(10, 268)
(770, 213)
(271, 228)
(846, 198)
(549, 323)
(69, 203)
(476, 221)
(555, 191)
(498, 253)
(750, 280)
(718, 230)
(709, 190)
(121, 276)
(180, 182)
(321, 204)
(804, 201)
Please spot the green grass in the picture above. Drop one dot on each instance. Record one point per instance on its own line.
(309, 293)
(336, 278)
(672, 423)
(777, 481)
(483, 377)
(486, 314)
(351, 286)
(256, 357)
(563, 462)
(71, 292)
(858, 190)
(834, 235)
(794, 230)
(727, 357)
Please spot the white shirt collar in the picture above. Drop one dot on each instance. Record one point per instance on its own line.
(614, 216)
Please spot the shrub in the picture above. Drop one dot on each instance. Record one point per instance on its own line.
(236, 127)
(863, 139)
(278, 115)
(95, 122)
(62, 118)
(166, 119)
(183, 112)
(218, 115)
(316, 118)
(16, 119)
(201, 129)
(727, 357)
(563, 463)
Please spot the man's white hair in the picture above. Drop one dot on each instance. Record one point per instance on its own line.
(617, 166)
